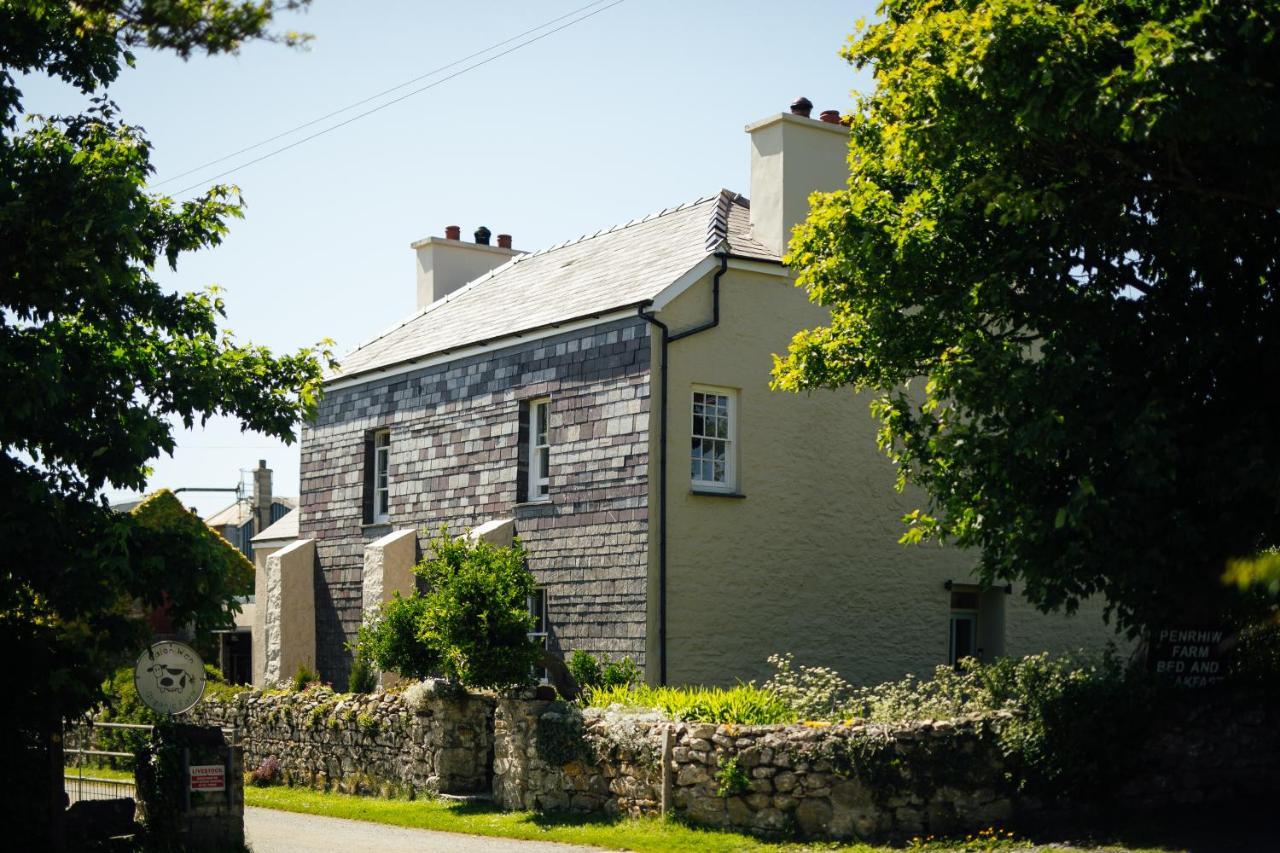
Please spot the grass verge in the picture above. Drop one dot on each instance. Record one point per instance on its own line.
(642, 835)
(645, 834)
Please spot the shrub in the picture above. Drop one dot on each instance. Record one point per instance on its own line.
(585, 668)
(472, 624)
(593, 672)
(304, 678)
(364, 675)
(746, 703)
(813, 692)
(267, 773)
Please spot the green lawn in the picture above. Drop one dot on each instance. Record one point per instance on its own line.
(99, 773)
(649, 834)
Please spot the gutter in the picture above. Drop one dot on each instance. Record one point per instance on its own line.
(667, 339)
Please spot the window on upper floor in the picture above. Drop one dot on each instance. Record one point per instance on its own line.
(377, 477)
(711, 462)
(536, 450)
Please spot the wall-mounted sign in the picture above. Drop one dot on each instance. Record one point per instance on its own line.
(205, 778)
(169, 677)
(1190, 657)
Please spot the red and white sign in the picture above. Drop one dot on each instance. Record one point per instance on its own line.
(208, 777)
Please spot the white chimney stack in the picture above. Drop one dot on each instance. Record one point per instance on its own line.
(447, 263)
(792, 156)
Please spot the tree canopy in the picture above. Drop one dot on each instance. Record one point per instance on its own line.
(1055, 265)
(98, 362)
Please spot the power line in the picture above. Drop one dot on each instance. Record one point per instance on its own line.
(364, 101)
(394, 101)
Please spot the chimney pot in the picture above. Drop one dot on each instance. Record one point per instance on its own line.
(801, 107)
(452, 232)
(482, 236)
(830, 116)
(504, 241)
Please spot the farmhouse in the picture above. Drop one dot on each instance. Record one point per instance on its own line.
(607, 401)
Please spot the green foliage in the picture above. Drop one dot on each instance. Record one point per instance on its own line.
(367, 724)
(99, 363)
(813, 692)
(591, 672)
(560, 736)
(1055, 266)
(364, 676)
(304, 678)
(585, 668)
(745, 703)
(471, 625)
(731, 780)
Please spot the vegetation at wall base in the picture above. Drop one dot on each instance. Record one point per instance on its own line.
(592, 672)
(745, 704)
(1055, 268)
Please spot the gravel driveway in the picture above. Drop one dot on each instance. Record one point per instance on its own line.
(270, 831)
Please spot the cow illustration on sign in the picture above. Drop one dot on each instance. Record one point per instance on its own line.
(169, 677)
(172, 679)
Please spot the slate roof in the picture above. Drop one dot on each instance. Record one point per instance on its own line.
(614, 268)
(286, 527)
(241, 511)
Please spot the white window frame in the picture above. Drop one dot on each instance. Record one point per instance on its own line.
(538, 484)
(381, 476)
(537, 604)
(730, 482)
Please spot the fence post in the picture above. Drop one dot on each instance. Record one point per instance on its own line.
(667, 744)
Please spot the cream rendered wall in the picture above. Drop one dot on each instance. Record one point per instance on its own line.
(808, 561)
(289, 611)
(445, 265)
(258, 630)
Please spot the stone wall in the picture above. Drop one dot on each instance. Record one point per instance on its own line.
(455, 460)
(867, 781)
(818, 781)
(376, 744)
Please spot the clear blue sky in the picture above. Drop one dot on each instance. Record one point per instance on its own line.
(636, 109)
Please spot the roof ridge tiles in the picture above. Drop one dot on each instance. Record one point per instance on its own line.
(524, 258)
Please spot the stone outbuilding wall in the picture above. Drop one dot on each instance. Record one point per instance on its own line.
(419, 742)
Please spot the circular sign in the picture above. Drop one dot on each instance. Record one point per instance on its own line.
(169, 677)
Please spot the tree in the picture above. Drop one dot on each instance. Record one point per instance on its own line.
(97, 362)
(471, 625)
(1055, 264)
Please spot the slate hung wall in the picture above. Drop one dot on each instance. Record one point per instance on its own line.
(454, 459)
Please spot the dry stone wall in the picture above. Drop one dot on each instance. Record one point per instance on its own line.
(818, 781)
(376, 744)
(865, 781)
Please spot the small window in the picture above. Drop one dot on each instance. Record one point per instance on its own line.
(538, 610)
(964, 626)
(538, 452)
(381, 476)
(712, 450)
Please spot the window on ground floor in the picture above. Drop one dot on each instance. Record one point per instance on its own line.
(538, 610)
